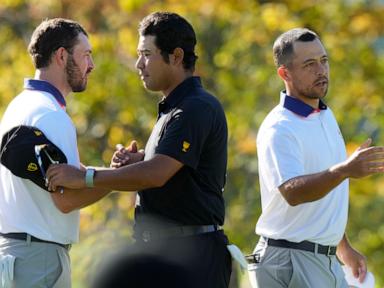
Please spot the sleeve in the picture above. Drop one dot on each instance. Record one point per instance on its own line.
(59, 129)
(280, 156)
(187, 132)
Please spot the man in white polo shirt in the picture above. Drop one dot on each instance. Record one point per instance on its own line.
(38, 227)
(304, 171)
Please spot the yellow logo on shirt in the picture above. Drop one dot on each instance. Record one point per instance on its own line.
(32, 167)
(186, 146)
(37, 133)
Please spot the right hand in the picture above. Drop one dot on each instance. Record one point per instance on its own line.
(126, 155)
(365, 161)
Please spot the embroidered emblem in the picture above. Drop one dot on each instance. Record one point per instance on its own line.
(37, 133)
(32, 167)
(186, 146)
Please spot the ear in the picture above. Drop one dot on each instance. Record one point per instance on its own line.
(177, 56)
(283, 72)
(60, 56)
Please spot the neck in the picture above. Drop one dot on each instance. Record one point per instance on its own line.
(177, 79)
(313, 102)
(52, 77)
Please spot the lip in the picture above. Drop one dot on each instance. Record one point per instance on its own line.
(321, 82)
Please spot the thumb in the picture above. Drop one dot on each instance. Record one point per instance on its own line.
(133, 147)
(366, 144)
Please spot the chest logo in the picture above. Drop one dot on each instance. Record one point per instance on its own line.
(186, 146)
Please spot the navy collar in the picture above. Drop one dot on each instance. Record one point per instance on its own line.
(34, 84)
(299, 107)
(179, 93)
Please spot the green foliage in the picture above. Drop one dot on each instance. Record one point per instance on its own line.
(235, 61)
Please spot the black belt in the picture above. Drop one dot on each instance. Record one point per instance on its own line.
(24, 236)
(304, 245)
(178, 231)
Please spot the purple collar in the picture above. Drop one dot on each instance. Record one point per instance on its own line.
(299, 107)
(34, 84)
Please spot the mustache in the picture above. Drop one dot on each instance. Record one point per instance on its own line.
(320, 80)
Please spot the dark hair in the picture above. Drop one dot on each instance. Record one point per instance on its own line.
(171, 31)
(49, 36)
(283, 46)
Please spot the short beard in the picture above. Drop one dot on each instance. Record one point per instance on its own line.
(74, 77)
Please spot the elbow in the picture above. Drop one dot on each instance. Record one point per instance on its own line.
(291, 199)
(62, 205)
(65, 209)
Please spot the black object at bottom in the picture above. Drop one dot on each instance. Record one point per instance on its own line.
(24, 236)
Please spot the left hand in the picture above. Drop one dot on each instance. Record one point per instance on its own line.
(63, 175)
(354, 259)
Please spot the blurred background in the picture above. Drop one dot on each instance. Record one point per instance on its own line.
(235, 62)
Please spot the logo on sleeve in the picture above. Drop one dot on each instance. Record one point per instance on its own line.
(32, 167)
(37, 133)
(186, 146)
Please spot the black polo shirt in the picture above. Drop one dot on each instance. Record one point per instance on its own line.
(192, 129)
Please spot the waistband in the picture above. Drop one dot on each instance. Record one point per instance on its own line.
(25, 236)
(178, 231)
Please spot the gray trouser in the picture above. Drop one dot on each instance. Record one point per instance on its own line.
(37, 265)
(292, 268)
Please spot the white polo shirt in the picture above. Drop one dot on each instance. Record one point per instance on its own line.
(294, 140)
(24, 206)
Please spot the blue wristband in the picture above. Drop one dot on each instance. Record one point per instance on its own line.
(89, 175)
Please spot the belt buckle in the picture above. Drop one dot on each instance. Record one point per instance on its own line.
(329, 251)
(146, 236)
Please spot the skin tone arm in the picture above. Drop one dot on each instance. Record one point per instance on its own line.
(364, 161)
(352, 258)
(141, 175)
(71, 199)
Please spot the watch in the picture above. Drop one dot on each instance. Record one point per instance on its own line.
(89, 176)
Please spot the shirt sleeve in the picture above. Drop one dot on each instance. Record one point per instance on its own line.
(280, 156)
(186, 132)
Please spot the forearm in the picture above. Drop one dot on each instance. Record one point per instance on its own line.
(342, 247)
(133, 177)
(308, 188)
(72, 199)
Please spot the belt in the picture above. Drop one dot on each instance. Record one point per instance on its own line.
(24, 236)
(304, 245)
(179, 231)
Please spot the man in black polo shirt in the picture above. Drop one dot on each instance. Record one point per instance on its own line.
(180, 205)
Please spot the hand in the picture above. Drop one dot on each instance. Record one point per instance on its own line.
(125, 156)
(365, 161)
(63, 175)
(352, 258)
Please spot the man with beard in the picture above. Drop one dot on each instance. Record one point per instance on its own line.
(304, 171)
(37, 228)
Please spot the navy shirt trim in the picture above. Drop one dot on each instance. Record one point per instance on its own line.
(299, 107)
(34, 84)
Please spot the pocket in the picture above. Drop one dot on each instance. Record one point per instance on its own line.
(7, 264)
(63, 279)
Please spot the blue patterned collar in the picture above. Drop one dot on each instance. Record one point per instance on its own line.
(299, 107)
(34, 84)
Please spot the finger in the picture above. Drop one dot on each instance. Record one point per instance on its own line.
(366, 144)
(119, 146)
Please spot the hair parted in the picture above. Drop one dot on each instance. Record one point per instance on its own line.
(283, 46)
(171, 31)
(49, 36)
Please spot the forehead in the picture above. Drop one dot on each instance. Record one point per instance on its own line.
(308, 50)
(146, 42)
(82, 43)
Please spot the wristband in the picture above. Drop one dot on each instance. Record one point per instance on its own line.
(89, 175)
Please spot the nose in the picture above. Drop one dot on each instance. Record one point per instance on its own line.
(322, 69)
(139, 63)
(91, 64)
